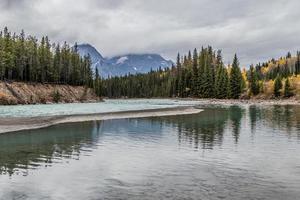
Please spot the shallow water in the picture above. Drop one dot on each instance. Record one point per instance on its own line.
(89, 108)
(220, 153)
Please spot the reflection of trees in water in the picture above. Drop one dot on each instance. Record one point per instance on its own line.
(255, 117)
(31, 149)
(236, 114)
(285, 118)
(205, 129)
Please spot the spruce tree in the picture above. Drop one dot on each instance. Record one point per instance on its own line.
(195, 83)
(235, 79)
(178, 75)
(287, 89)
(201, 75)
(178, 63)
(2, 57)
(9, 56)
(253, 81)
(97, 86)
(207, 84)
(277, 86)
(221, 79)
(189, 60)
(221, 83)
(297, 65)
(48, 67)
(56, 64)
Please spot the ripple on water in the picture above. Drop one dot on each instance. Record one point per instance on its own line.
(221, 153)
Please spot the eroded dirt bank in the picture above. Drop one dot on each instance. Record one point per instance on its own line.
(12, 93)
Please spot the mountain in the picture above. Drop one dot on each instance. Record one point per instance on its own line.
(125, 64)
(87, 49)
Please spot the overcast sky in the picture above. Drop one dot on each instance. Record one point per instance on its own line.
(256, 30)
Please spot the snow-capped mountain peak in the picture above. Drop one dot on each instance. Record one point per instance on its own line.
(125, 64)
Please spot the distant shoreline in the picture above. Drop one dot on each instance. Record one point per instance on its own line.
(245, 102)
(8, 125)
(290, 101)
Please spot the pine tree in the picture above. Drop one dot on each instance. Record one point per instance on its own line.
(42, 60)
(287, 89)
(2, 57)
(57, 65)
(33, 59)
(97, 86)
(225, 83)
(221, 78)
(20, 65)
(277, 86)
(297, 65)
(48, 67)
(286, 71)
(178, 76)
(65, 60)
(88, 74)
(189, 60)
(8, 56)
(221, 86)
(253, 81)
(207, 83)
(201, 75)
(195, 79)
(235, 79)
(178, 63)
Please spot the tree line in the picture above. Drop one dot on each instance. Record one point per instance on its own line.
(279, 71)
(25, 58)
(201, 75)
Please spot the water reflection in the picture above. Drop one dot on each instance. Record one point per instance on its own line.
(236, 114)
(277, 117)
(203, 130)
(255, 117)
(26, 150)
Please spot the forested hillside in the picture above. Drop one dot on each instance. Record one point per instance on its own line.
(203, 75)
(25, 58)
(199, 74)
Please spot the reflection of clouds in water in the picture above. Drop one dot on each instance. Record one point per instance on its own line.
(35, 148)
(44, 147)
(218, 156)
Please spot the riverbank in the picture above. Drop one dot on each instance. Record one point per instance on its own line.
(18, 124)
(15, 93)
(290, 101)
(229, 102)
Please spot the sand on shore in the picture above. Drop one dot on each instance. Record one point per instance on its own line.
(18, 124)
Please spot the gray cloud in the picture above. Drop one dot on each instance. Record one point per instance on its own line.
(257, 29)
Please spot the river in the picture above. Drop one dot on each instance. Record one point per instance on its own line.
(224, 152)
